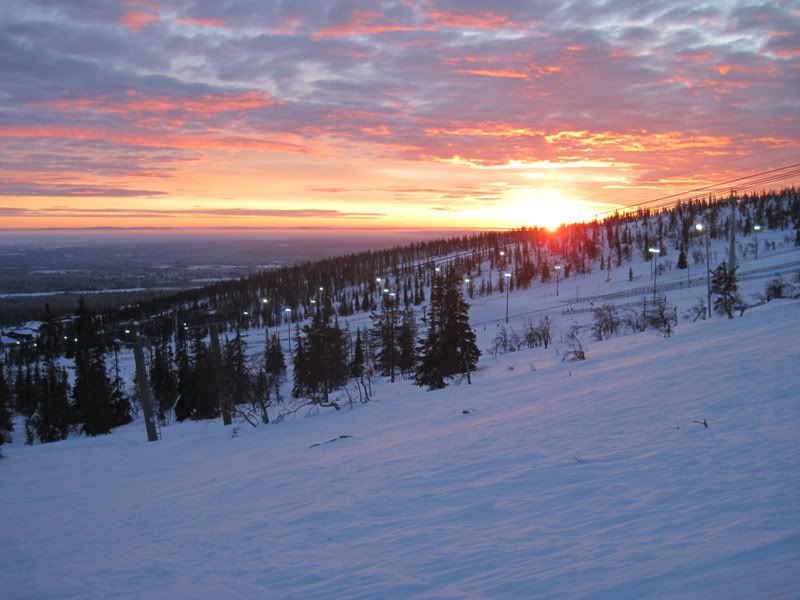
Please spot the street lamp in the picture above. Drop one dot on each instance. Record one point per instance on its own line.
(756, 228)
(700, 227)
(558, 273)
(655, 252)
(508, 282)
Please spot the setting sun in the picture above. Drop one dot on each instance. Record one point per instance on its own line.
(547, 207)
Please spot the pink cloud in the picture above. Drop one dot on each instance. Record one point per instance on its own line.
(201, 22)
(137, 21)
(135, 102)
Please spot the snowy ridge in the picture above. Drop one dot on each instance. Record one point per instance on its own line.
(564, 479)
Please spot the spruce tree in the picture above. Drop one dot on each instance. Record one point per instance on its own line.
(302, 367)
(320, 360)
(204, 399)
(98, 411)
(724, 288)
(459, 339)
(120, 401)
(430, 372)
(385, 337)
(275, 364)
(449, 347)
(6, 415)
(682, 262)
(163, 381)
(236, 377)
(98, 408)
(407, 341)
(184, 402)
(357, 364)
(52, 417)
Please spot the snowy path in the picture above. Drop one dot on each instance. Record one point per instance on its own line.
(571, 480)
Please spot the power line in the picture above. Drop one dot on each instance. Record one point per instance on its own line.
(723, 184)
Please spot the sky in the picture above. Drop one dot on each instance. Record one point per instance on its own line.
(439, 114)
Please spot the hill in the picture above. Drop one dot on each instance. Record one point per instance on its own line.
(543, 478)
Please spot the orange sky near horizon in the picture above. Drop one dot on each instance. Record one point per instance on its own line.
(426, 114)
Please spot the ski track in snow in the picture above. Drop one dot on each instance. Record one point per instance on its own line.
(574, 480)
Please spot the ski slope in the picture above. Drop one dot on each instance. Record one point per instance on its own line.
(564, 479)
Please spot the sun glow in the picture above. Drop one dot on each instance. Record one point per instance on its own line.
(545, 207)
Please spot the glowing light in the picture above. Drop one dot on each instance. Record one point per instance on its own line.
(544, 207)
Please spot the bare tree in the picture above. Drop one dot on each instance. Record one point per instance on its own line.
(606, 322)
(663, 316)
(576, 351)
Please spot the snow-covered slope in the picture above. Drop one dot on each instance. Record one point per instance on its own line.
(564, 479)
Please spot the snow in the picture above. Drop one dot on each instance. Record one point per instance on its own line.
(565, 479)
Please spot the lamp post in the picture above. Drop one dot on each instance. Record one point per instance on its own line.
(756, 228)
(558, 273)
(655, 252)
(700, 227)
(508, 282)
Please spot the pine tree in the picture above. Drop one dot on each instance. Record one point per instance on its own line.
(357, 364)
(25, 391)
(236, 376)
(163, 381)
(429, 370)
(407, 341)
(51, 420)
(98, 408)
(185, 389)
(320, 360)
(385, 337)
(459, 338)
(204, 383)
(725, 290)
(275, 364)
(449, 347)
(682, 262)
(302, 370)
(6, 415)
(120, 401)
